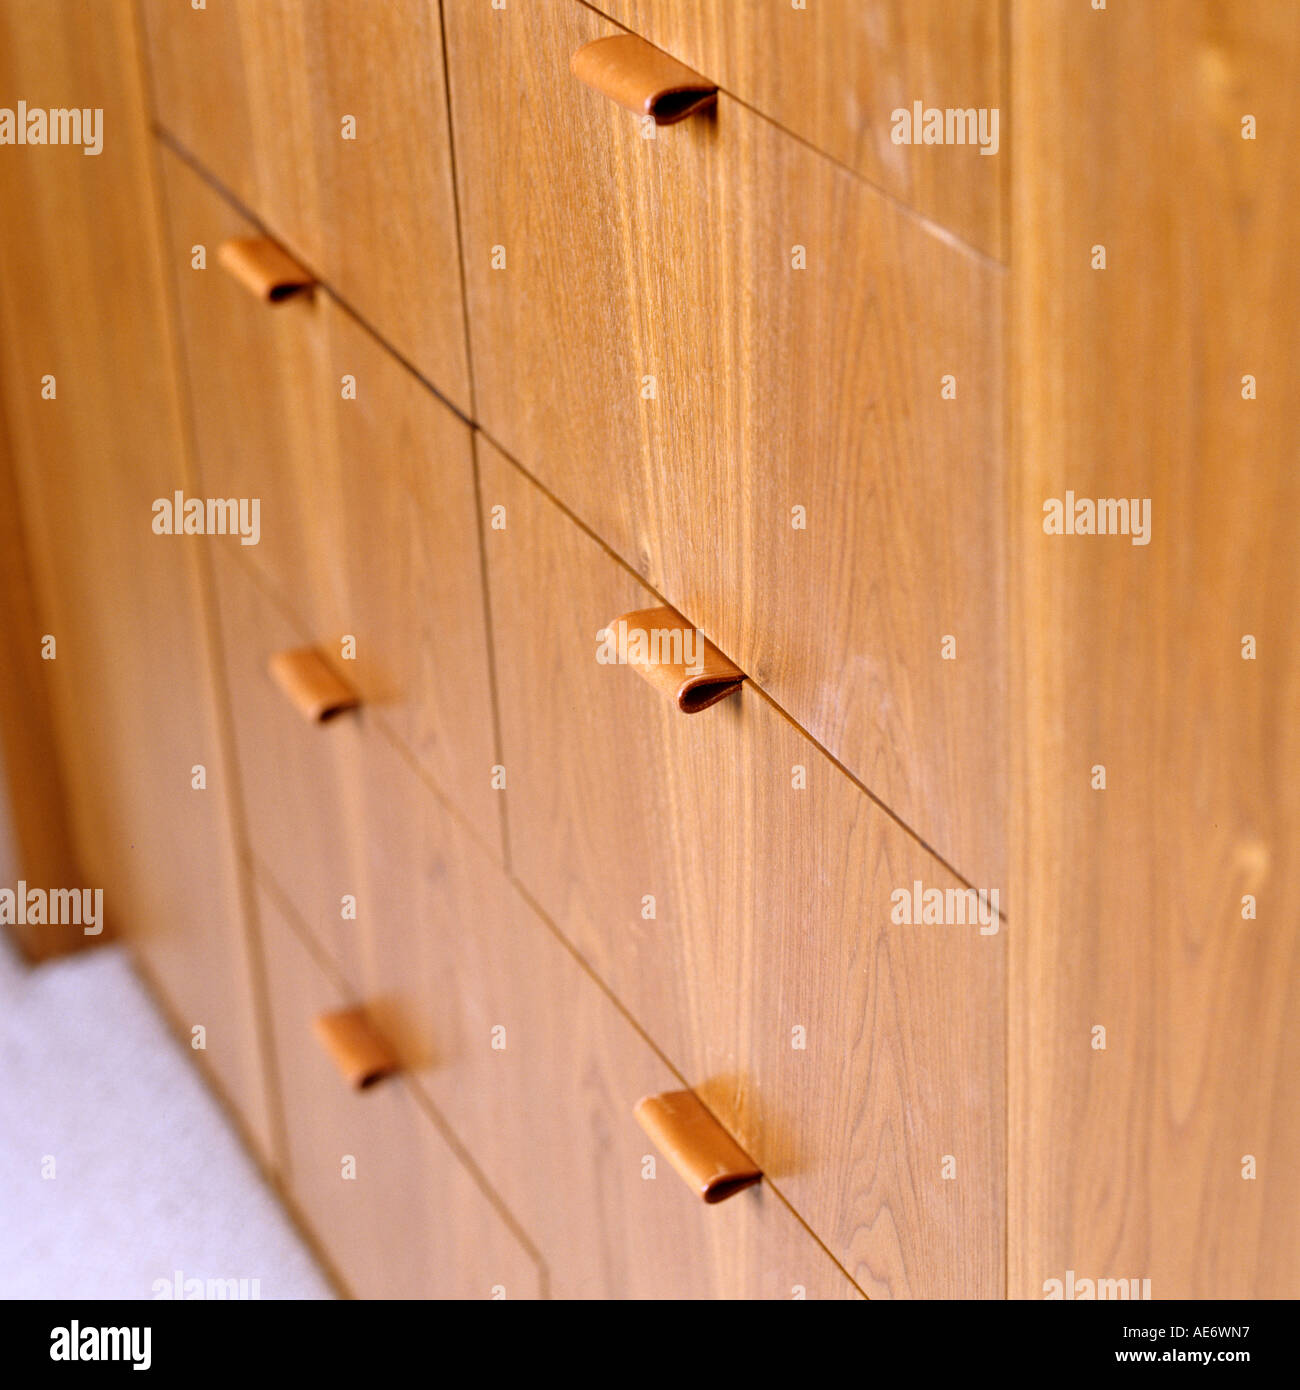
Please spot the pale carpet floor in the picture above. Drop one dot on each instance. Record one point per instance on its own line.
(150, 1177)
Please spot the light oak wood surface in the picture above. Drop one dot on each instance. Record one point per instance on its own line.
(368, 525)
(258, 90)
(302, 782)
(537, 1069)
(130, 689)
(35, 837)
(835, 71)
(847, 1054)
(776, 389)
(1129, 1162)
(442, 949)
(665, 351)
(411, 1221)
(334, 810)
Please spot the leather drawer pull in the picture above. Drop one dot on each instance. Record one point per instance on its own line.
(710, 1160)
(311, 685)
(264, 268)
(360, 1054)
(674, 657)
(643, 78)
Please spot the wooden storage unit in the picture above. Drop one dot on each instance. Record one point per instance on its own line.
(364, 501)
(258, 91)
(776, 389)
(673, 342)
(848, 1054)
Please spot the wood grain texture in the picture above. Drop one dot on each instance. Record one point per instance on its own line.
(81, 295)
(258, 90)
(834, 71)
(538, 1071)
(442, 950)
(771, 924)
(776, 389)
(35, 836)
(1128, 1162)
(368, 520)
(412, 1222)
(332, 809)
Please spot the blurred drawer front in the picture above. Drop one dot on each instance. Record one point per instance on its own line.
(367, 527)
(260, 92)
(733, 361)
(334, 811)
(836, 71)
(537, 1072)
(387, 1197)
(738, 895)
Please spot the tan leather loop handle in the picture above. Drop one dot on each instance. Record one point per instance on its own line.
(673, 656)
(264, 268)
(356, 1049)
(643, 78)
(311, 685)
(697, 1146)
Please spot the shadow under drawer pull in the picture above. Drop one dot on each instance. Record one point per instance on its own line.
(673, 656)
(643, 78)
(701, 1150)
(264, 268)
(311, 685)
(356, 1049)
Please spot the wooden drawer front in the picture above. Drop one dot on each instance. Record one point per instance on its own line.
(412, 1222)
(258, 91)
(335, 813)
(442, 950)
(368, 525)
(836, 71)
(858, 1060)
(777, 389)
(537, 1071)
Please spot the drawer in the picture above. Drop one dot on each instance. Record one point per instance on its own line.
(412, 1221)
(258, 91)
(798, 485)
(858, 1060)
(443, 950)
(836, 71)
(335, 813)
(367, 519)
(537, 1071)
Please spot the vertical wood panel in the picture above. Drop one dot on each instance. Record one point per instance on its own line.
(35, 839)
(82, 298)
(1128, 1162)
